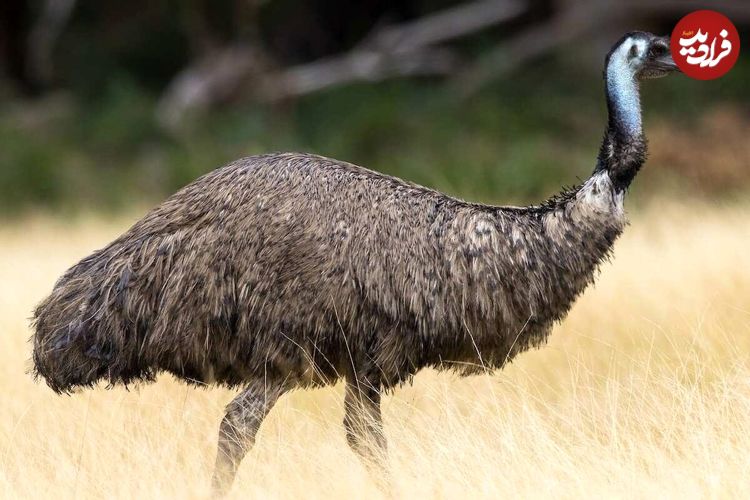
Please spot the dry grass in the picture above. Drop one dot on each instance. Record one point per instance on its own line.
(644, 391)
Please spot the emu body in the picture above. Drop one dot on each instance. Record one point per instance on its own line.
(280, 266)
(293, 270)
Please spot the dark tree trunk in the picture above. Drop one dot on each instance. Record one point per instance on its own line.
(15, 22)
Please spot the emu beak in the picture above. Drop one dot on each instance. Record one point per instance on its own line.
(666, 63)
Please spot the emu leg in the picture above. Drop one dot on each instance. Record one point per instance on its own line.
(237, 431)
(364, 424)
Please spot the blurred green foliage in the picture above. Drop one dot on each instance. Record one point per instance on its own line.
(517, 141)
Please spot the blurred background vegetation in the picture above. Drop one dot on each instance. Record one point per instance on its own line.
(108, 104)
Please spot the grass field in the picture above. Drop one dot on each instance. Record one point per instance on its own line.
(644, 391)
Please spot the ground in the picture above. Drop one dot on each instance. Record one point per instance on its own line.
(643, 391)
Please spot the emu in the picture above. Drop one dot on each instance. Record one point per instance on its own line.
(283, 271)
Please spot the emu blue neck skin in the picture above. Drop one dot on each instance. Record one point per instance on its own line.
(623, 96)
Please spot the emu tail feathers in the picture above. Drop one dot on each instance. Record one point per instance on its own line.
(88, 328)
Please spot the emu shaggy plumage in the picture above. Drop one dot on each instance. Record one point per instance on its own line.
(285, 264)
(293, 270)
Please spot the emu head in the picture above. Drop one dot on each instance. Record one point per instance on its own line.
(642, 55)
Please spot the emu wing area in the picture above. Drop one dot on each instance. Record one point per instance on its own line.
(281, 264)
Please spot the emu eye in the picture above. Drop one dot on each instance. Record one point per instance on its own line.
(656, 50)
(633, 52)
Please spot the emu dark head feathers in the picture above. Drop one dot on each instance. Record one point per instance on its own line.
(643, 55)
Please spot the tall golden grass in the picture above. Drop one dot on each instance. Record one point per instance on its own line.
(644, 391)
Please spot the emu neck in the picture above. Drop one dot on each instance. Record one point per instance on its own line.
(623, 100)
(623, 150)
